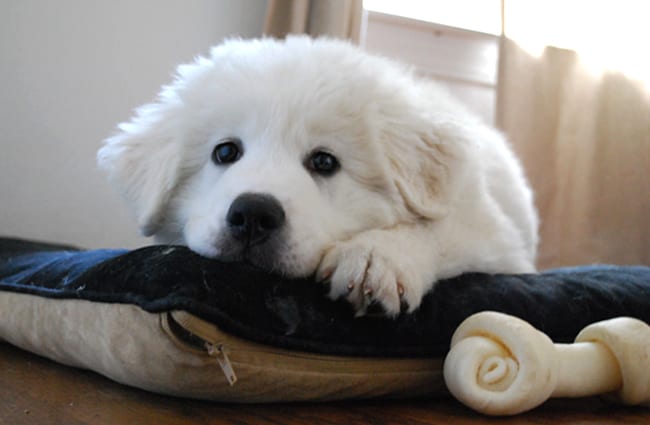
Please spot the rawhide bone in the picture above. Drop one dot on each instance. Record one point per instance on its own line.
(501, 365)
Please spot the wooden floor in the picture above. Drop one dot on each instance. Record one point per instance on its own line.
(34, 390)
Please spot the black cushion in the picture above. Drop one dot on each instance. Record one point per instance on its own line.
(295, 314)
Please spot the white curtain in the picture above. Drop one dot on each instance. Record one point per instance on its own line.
(582, 129)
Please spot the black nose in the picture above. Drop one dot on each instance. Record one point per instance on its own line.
(252, 217)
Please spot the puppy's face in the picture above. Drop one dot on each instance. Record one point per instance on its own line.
(279, 176)
(270, 152)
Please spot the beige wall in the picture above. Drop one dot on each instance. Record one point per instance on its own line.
(69, 71)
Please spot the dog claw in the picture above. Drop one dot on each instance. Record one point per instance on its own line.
(325, 275)
(350, 287)
(400, 289)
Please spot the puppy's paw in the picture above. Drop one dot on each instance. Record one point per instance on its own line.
(370, 276)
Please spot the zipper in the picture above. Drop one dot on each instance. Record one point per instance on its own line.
(220, 353)
(195, 335)
(198, 343)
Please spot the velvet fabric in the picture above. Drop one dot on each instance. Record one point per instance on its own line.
(295, 314)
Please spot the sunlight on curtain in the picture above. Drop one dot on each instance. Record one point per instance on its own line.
(608, 34)
(573, 99)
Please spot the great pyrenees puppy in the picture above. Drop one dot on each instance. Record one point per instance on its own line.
(311, 157)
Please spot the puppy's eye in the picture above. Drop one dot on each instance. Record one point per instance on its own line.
(323, 163)
(226, 152)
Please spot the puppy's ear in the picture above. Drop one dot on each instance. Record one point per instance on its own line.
(143, 162)
(425, 167)
(144, 158)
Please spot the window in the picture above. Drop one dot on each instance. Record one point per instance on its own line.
(475, 15)
(465, 61)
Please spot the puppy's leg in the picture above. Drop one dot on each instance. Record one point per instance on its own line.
(392, 267)
(395, 267)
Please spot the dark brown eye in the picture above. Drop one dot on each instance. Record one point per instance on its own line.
(323, 163)
(227, 152)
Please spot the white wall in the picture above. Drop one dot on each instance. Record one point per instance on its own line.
(70, 70)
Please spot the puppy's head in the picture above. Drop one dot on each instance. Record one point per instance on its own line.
(272, 151)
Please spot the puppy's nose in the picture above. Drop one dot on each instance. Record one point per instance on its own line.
(252, 217)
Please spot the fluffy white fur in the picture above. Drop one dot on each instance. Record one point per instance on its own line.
(425, 190)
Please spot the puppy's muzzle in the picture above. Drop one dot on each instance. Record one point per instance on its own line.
(254, 217)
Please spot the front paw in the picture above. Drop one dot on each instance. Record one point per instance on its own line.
(369, 276)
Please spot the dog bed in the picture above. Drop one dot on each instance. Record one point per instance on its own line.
(166, 320)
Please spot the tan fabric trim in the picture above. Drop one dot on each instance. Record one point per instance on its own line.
(130, 346)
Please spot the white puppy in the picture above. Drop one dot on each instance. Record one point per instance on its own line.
(310, 156)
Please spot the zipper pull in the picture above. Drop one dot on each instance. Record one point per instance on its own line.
(218, 351)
